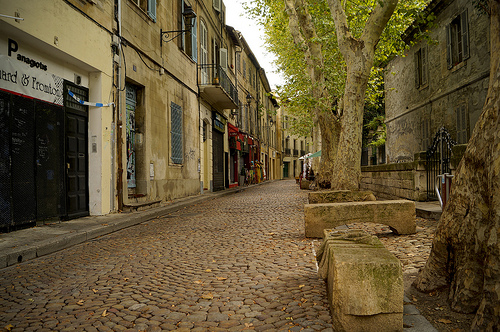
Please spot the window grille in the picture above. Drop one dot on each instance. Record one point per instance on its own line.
(176, 132)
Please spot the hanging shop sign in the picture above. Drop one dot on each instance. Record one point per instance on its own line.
(33, 81)
(219, 122)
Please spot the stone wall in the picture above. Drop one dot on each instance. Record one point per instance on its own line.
(391, 181)
(403, 180)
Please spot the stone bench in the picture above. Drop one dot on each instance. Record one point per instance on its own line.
(364, 282)
(338, 196)
(399, 215)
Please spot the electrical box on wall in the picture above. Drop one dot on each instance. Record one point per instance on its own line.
(139, 138)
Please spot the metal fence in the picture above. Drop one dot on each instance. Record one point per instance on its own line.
(438, 160)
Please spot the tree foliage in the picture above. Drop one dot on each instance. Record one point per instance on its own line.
(272, 16)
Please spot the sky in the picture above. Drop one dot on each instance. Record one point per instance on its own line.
(254, 36)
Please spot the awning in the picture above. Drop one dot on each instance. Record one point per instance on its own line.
(315, 154)
(305, 156)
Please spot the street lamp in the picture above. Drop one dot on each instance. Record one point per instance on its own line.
(189, 16)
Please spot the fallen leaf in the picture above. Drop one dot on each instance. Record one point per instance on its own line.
(80, 302)
(414, 299)
(445, 321)
(104, 313)
(300, 286)
(248, 324)
(197, 282)
(94, 290)
(208, 296)
(208, 270)
(221, 278)
(9, 327)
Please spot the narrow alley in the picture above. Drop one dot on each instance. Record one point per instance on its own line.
(232, 263)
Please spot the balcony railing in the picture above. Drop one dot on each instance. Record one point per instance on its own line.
(287, 151)
(295, 152)
(212, 78)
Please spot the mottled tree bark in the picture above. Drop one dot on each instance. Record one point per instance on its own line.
(305, 37)
(358, 54)
(465, 252)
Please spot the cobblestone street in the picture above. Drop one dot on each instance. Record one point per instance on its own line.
(232, 263)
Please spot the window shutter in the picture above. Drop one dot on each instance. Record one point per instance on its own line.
(223, 59)
(217, 5)
(462, 124)
(449, 57)
(417, 69)
(152, 9)
(424, 71)
(183, 37)
(194, 41)
(464, 26)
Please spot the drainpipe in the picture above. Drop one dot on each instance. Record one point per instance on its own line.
(118, 117)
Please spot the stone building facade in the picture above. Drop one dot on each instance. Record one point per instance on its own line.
(111, 105)
(441, 83)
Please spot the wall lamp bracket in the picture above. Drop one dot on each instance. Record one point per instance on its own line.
(189, 17)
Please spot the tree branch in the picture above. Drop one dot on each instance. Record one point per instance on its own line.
(377, 21)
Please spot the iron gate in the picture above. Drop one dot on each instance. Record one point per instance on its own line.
(438, 160)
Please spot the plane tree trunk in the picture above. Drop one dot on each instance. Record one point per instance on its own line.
(466, 251)
(358, 55)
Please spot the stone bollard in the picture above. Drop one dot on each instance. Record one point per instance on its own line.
(364, 282)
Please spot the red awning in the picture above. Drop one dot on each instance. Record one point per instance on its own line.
(232, 129)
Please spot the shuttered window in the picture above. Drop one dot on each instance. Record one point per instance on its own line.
(176, 133)
(462, 124)
(421, 68)
(457, 40)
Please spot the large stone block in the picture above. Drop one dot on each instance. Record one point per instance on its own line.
(364, 282)
(337, 196)
(399, 215)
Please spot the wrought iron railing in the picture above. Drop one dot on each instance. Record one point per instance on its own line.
(287, 151)
(212, 74)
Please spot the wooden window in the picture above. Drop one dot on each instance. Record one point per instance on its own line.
(421, 68)
(148, 6)
(457, 40)
(462, 124)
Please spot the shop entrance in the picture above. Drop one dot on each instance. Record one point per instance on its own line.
(76, 153)
(43, 160)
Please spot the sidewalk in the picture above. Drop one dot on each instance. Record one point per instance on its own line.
(23, 245)
(428, 210)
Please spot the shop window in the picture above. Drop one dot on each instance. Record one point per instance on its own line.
(421, 68)
(148, 6)
(176, 133)
(457, 40)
